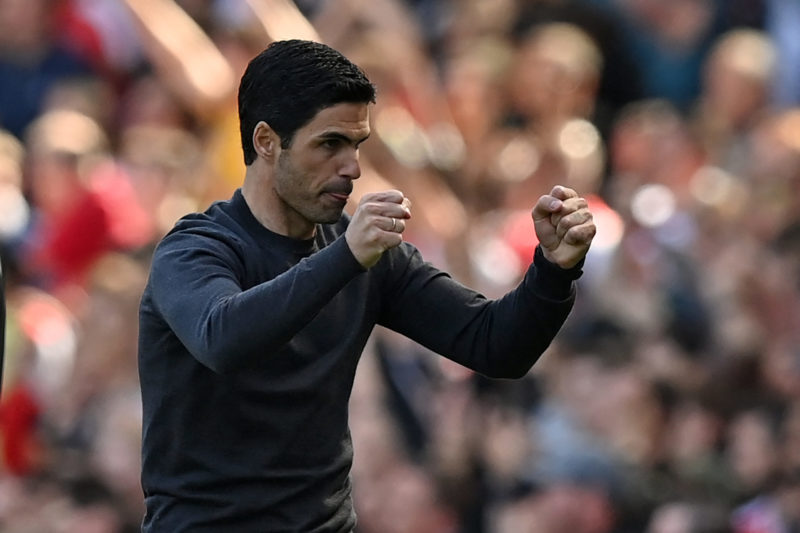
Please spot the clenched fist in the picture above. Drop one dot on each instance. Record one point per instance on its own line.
(377, 225)
(564, 226)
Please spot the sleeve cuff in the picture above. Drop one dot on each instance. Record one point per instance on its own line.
(342, 249)
(550, 280)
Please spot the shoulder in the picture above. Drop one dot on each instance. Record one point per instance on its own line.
(212, 231)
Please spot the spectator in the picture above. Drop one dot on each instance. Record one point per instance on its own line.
(32, 60)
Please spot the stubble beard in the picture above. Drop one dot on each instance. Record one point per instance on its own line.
(307, 204)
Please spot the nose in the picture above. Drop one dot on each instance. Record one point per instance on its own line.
(350, 167)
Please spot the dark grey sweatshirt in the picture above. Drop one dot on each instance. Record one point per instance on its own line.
(248, 346)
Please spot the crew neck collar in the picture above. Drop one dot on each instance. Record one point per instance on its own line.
(262, 233)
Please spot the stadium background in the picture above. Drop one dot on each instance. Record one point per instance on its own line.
(669, 404)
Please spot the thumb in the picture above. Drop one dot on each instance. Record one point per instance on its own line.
(543, 221)
(546, 206)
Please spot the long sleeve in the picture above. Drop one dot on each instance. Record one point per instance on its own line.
(248, 346)
(498, 338)
(196, 288)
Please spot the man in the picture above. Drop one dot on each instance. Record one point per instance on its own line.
(256, 311)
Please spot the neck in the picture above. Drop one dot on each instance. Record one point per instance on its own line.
(269, 209)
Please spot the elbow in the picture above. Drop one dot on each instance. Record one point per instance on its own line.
(215, 347)
(229, 351)
(219, 365)
(219, 359)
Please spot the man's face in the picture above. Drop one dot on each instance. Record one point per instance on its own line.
(314, 176)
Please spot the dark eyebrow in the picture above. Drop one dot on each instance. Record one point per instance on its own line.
(342, 137)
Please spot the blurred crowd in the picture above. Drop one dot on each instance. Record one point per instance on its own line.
(670, 402)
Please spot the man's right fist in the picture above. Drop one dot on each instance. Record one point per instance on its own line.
(377, 225)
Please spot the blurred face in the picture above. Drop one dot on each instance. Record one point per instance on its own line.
(671, 518)
(752, 451)
(314, 176)
(540, 86)
(734, 95)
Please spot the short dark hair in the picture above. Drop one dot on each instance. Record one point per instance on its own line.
(288, 83)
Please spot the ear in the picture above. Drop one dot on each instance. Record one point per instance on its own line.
(265, 141)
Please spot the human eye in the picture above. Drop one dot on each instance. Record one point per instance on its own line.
(331, 143)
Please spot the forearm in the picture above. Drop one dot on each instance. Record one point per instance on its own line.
(281, 19)
(501, 338)
(182, 54)
(525, 321)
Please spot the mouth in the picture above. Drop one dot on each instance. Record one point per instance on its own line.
(339, 196)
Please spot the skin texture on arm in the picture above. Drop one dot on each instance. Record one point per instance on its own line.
(183, 55)
(281, 19)
(337, 20)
